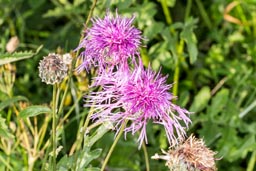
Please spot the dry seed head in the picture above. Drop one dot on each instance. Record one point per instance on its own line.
(52, 69)
(191, 155)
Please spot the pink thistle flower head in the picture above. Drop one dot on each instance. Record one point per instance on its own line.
(142, 95)
(109, 42)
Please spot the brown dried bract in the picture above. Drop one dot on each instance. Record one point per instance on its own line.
(191, 155)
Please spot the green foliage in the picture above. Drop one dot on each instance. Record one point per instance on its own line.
(189, 37)
(210, 59)
(34, 111)
(4, 131)
(11, 101)
(81, 159)
(8, 58)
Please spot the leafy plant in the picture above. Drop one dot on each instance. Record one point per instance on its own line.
(207, 48)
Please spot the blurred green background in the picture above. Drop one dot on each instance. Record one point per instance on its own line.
(207, 47)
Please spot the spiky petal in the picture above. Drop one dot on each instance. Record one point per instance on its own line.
(110, 41)
(138, 96)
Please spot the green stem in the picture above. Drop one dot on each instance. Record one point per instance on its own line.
(57, 101)
(180, 50)
(4, 162)
(65, 93)
(254, 24)
(247, 109)
(83, 128)
(73, 63)
(252, 162)
(113, 145)
(89, 16)
(46, 154)
(177, 69)
(8, 162)
(94, 125)
(54, 143)
(101, 130)
(204, 14)
(42, 131)
(86, 123)
(188, 9)
(242, 15)
(176, 79)
(146, 156)
(9, 115)
(166, 12)
(70, 111)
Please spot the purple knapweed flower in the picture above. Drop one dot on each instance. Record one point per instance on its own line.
(109, 42)
(138, 96)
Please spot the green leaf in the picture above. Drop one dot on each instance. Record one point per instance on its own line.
(228, 141)
(201, 100)
(171, 3)
(4, 164)
(218, 102)
(244, 127)
(92, 169)
(102, 130)
(3, 96)
(153, 30)
(13, 57)
(4, 131)
(246, 145)
(172, 40)
(86, 156)
(10, 101)
(34, 111)
(189, 37)
(36, 4)
(210, 131)
(56, 12)
(78, 2)
(65, 163)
